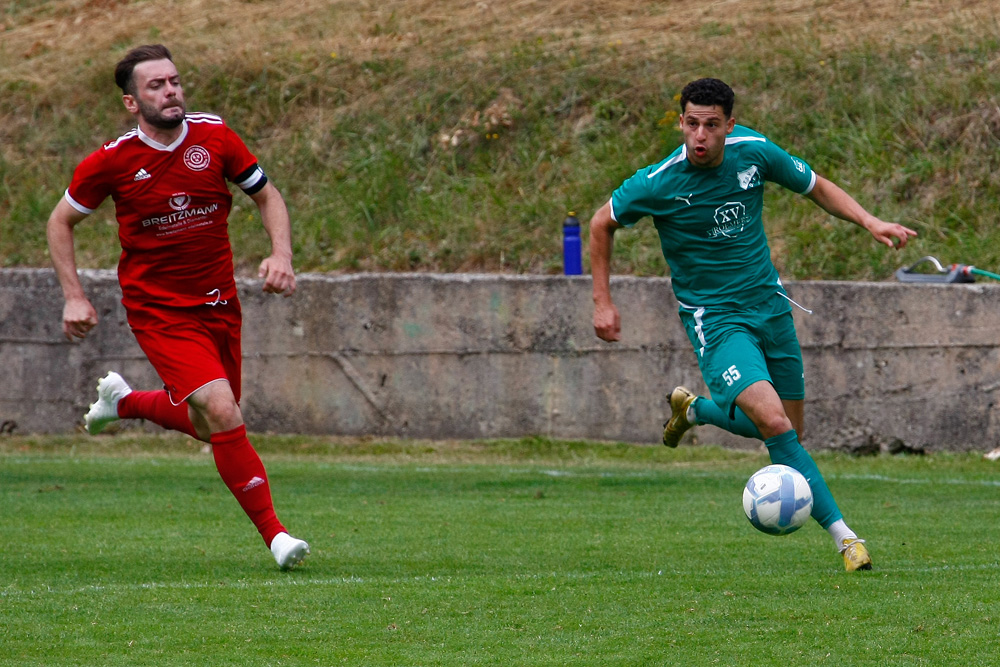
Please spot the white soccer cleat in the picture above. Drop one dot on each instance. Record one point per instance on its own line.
(110, 390)
(288, 551)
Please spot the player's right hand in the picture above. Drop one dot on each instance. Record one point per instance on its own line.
(607, 322)
(79, 317)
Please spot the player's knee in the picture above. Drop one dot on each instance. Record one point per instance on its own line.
(224, 414)
(218, 409)
(773, 423)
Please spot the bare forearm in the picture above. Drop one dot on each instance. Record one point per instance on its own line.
(607, 321)
(59, 231)
(276, 270)
(79, 316)
(601, 246)
(832, 199)
(835, 201)
(274, 217)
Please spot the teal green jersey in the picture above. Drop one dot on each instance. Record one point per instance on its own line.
(710, 219)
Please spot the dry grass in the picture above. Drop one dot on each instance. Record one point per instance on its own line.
(353, 105)
(41, 41)
(50, 45)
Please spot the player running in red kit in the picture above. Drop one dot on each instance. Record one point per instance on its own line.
(167, 178)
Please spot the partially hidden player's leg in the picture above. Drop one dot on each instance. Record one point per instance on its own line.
(760, 402)
(703, 410)
(241, 469)
(117, 400)
(707, 411)
(157, 407)
(172, 345)
(687, 410)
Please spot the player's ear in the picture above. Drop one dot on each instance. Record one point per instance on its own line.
(131, 105)
(730, 124)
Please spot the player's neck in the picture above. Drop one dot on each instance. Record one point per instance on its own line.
(160, 135)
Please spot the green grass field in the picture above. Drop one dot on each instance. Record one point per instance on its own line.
(128, 550)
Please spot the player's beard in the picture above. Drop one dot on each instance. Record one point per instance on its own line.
(156, 118)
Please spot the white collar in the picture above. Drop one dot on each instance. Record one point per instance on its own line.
(153, 143)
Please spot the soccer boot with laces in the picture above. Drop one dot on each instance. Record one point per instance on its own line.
(288, 551)
(110, 390)
(680, 400)
(855, 554)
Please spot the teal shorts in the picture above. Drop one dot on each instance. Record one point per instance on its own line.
(737, 348)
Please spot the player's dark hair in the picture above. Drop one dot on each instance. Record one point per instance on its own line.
(140, 54)
(709, 93)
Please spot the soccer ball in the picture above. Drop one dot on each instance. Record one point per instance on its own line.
(777, 500)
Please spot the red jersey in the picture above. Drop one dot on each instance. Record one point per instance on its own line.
(172, 205)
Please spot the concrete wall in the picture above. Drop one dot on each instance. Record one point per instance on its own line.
(471, 356)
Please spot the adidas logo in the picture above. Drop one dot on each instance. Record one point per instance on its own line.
(141, 175)
(256, 481)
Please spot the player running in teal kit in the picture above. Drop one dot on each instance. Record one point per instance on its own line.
(706, 201)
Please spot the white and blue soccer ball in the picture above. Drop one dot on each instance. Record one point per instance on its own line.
(777, 500)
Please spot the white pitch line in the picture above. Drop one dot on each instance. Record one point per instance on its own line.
(290, 582)
(354, 580)
(935, 482)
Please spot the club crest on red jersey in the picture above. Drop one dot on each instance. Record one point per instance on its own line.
(197, 158)
(179, 201)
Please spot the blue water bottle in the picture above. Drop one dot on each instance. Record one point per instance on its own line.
(572, 250)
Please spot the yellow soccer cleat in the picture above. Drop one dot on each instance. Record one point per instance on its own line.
(680, 399)
(855, 554)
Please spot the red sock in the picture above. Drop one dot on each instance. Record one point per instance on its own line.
(157, 408)
(241, 469)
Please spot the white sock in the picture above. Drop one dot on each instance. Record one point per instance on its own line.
(839, 532)
(690, 413)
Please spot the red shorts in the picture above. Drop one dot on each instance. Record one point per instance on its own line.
(191, 347)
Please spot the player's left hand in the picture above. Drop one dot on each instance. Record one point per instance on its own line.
(278, 275)
(891, 234)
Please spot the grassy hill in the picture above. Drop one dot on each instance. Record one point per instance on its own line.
(454, 136)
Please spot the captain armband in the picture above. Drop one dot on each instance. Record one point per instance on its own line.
(251, 180)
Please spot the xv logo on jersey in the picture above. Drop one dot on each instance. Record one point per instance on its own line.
(730, 219)
(749, 178)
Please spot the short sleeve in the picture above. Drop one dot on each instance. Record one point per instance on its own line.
(787, 170)
(633, 199)
(238, 158)
(90, 185)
